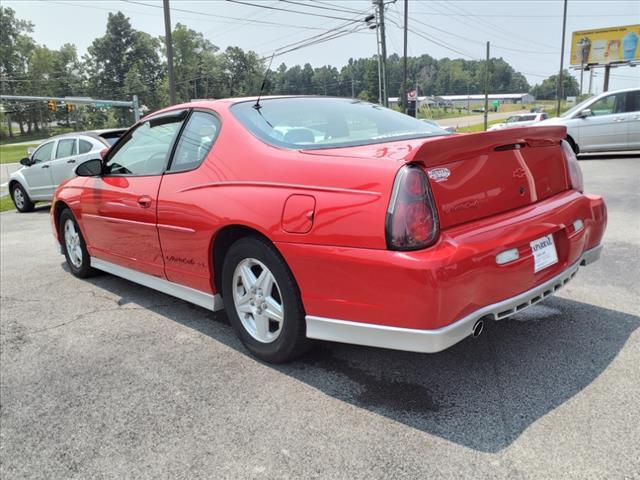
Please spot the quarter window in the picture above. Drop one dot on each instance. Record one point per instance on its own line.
(146, 149)
(66, 148)
(43, 154)
(195, 142)
(85, 147)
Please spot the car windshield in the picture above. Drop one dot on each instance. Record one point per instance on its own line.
(315, 123)
(576, 108)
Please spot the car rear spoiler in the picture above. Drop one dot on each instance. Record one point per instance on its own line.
(444, 149)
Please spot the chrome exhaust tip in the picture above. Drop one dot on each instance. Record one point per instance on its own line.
(477, 328)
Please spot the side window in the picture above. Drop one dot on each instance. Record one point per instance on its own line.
(604, 106)
(621, 100)
(66, 147)
(195, 142)
(85, 147)
(632, 103)
(146, 149)
(43, 154)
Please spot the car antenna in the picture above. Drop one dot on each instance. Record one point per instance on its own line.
(264, 82)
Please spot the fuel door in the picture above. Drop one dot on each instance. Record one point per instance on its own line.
(298, 213)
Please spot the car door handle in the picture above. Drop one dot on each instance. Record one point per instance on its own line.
(144, 201)
(619, 119)
(73, 160)
(45, 166)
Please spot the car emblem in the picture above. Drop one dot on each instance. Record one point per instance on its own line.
(439, 174)
(519, 173)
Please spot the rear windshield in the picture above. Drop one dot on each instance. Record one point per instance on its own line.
(315, 123)
(521, 118)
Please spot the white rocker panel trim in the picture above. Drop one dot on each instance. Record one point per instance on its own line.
(203, 299)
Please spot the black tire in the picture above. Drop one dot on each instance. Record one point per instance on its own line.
(574, 145)
(24, 203)
(291, 341)
(81, 269)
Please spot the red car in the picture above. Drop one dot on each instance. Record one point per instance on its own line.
(333, 219)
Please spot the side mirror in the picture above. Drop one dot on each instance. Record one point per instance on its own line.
(585, 113)
(90, 168)
(26, 161)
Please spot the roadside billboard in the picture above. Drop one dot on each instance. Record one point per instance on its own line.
(605, 45)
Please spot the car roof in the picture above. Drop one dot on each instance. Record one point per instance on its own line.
(622, 90)
(232, 101)
(95, 134)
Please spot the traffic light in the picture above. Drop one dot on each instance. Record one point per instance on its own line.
(53, 106)
(69, 108)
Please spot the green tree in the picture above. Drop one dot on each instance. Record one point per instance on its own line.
(242, 70)
(16, 47)
(547, 89)
(122, 60)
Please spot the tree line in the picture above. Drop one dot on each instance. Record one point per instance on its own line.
(125, 61)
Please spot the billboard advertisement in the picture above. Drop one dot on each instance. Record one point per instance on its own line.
(605, 45)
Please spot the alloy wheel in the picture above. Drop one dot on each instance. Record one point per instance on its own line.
(18, 198)
(72, 241)
(257, 300)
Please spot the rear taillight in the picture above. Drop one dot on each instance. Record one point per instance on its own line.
(412, 222)
(573, 167)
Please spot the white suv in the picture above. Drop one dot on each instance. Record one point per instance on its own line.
(54, 161)
(607, 122)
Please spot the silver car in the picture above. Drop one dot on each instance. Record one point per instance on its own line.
(54, 161)
(520, 120)
(607, 122)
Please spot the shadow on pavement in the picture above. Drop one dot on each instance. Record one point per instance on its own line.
(482, 393)
(607, 155)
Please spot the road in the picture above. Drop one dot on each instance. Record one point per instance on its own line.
(475, 119)
(103, 378)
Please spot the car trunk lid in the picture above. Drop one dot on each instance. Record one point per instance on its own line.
(478, 175)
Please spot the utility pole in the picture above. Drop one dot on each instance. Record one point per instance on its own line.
(590, 79)
(607, 71)
(403, 90)
(383, 43)
(559, 88)
(379, 62)
(486, 90)
(136, 108)
(169, 44)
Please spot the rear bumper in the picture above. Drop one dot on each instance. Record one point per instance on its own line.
(432, 341)
(444, 289)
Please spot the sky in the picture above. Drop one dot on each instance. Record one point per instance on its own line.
(526, 33)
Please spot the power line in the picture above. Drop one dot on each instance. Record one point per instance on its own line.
(216, 16)
(497, 29)
(469, 40)
(288, 10)
(334, 8)
(331, 5)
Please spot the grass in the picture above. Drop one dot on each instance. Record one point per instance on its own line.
(35, 137)
(6, 204)
(478, 127)
(13, 153)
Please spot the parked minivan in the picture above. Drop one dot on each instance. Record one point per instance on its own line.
(607, 122)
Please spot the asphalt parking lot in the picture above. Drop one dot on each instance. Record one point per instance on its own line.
(103, 378)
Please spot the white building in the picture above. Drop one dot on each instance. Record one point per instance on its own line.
(462, 100)
(431, 101)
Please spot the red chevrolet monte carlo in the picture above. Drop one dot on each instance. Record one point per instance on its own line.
(333, 219)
